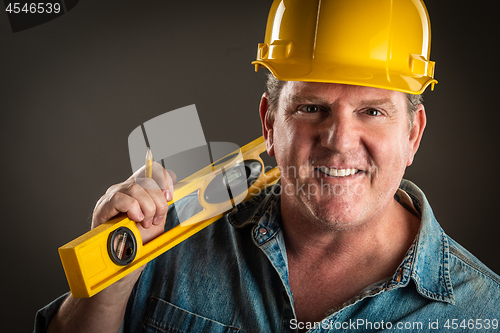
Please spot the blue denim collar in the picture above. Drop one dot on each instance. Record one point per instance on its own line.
(426, 262)
(263, 211)
(430, 269)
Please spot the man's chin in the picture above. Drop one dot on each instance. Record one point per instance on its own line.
(337, 217)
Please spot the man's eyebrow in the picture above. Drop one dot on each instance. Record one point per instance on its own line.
(307, 99)
(380, 102)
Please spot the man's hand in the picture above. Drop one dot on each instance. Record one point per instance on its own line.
(145, 201)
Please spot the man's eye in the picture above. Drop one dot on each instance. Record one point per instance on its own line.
(310, 108)
(373, 112)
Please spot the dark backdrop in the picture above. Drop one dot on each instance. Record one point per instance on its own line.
(72, 90)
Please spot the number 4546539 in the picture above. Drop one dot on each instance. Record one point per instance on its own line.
(33, 8)
(477, 324)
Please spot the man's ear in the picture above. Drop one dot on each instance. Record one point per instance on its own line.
(267, 125)
(416, 132)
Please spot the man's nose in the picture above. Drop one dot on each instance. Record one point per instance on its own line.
(340, 133)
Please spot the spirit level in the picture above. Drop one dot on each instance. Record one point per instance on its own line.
(114, 249)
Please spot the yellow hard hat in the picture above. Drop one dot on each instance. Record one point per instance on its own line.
(376, 43)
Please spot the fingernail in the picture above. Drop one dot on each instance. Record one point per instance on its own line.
(141, 216)
(168, 195)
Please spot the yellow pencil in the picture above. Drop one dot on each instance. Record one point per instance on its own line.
(149, 163)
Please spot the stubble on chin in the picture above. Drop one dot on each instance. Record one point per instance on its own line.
(330, 208)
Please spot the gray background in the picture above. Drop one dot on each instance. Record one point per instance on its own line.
(72, 90)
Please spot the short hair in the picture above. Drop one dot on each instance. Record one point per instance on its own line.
(274, 87)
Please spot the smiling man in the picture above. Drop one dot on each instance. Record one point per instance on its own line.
(343, 243)
(350, 146)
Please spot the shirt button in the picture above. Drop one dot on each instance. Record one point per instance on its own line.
(263, 231)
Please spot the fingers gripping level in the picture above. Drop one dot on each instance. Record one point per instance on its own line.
(114, 249)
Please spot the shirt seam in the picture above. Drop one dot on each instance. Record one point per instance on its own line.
(473, 265)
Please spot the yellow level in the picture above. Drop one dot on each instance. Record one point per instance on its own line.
(114, 249)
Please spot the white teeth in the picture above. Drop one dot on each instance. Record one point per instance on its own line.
(338, 172)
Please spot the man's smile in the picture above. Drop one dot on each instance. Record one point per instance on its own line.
(333, 172)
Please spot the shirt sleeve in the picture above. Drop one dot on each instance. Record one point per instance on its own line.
(45, 314)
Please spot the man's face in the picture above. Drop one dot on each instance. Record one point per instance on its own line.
(342, 149)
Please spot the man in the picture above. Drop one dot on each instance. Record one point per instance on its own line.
(343, 243)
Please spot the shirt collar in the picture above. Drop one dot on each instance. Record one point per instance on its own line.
(263, 211)
(427, 260)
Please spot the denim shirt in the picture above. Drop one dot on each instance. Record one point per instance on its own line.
(233, 277)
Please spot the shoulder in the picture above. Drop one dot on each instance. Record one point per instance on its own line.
(475, 286)
(443, 264)
(466, 261)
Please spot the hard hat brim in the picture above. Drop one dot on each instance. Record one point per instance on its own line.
(367, 77)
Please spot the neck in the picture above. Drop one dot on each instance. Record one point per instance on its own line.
(328, 266)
